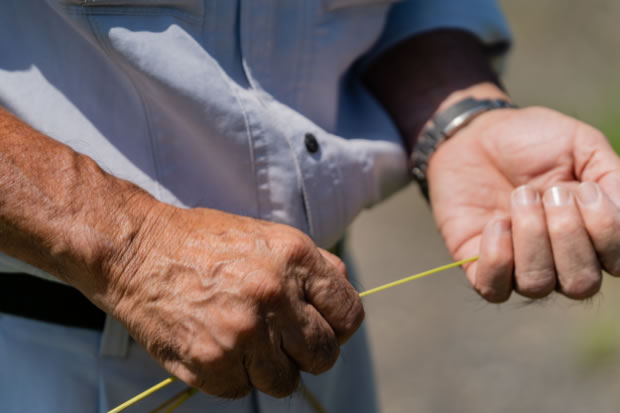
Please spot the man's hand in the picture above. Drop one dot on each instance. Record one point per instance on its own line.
(535, 193)
(225, 303)
(555, 179)
(228, 303)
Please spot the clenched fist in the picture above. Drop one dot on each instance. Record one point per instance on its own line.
(228, 303)
(225, 303)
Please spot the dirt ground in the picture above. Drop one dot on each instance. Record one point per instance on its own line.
(438, 348)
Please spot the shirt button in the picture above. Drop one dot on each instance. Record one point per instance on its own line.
(312, 145)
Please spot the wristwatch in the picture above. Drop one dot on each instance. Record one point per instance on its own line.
(443, 126)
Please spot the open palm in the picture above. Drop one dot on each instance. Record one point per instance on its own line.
(486, 185)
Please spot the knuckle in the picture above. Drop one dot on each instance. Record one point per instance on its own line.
(297, 248)
(235, 329)
(270, 289)
(208, 358)
(242, 327)
(536, 283)
(530, 225)
(264, 287)
(563, 225)
(582, 287)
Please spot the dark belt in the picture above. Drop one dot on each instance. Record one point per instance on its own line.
(31, 297)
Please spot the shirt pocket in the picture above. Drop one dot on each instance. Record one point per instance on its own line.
(329, 5)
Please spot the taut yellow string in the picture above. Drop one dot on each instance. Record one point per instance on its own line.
(142, 395)
(166, 382)
(416, 276)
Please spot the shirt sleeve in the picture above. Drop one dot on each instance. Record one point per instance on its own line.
(483, 18)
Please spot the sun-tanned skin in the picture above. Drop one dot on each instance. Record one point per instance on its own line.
(228, 303)
(225, 303)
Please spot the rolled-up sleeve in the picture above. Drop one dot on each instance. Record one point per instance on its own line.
(483, 18)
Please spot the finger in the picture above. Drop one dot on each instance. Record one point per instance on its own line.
(579, 273)
(313, 346)
(597, 161)
(493, 276)
(610, 184)
(535, 275)
(335, 262)
(219, 374)
(269, 368)
(602, 220)
(335, 299)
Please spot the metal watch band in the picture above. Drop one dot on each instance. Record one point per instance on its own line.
(443, 126)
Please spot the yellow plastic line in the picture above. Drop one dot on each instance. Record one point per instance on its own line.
(167, 403)
(189, 393)
(314, 401)
(142, 395)
(166, 382)
(416, 276)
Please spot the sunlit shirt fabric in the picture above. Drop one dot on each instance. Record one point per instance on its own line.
(207, 103)
(254, 107)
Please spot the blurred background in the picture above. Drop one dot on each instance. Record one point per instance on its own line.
(437, 346)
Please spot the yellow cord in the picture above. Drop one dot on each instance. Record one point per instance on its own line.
(416, 276)
(362, 294)
(314, 401)
(181, 400)
(142, 395)
(173, 399)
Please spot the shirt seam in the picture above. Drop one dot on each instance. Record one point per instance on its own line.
(147, 118)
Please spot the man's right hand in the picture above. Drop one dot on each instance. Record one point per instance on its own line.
(228, 303)
(225, 303)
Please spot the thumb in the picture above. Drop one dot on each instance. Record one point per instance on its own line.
(329, 291)
(597, 161)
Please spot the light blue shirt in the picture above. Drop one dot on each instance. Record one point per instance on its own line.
(208, 103)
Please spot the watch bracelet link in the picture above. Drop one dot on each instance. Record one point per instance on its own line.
(443, 126)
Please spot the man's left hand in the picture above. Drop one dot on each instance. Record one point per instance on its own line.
(537, 195)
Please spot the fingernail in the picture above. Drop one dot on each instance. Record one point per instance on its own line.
(588, 193)
(557, 196)
(524, 195)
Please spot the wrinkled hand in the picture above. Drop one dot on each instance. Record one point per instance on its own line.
(536, 194)
(228, 303)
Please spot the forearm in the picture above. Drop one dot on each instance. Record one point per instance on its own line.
(428, 73)
(62, 213)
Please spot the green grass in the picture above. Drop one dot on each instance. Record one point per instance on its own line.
(611, 127)
(608, 119)
(600, 345)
